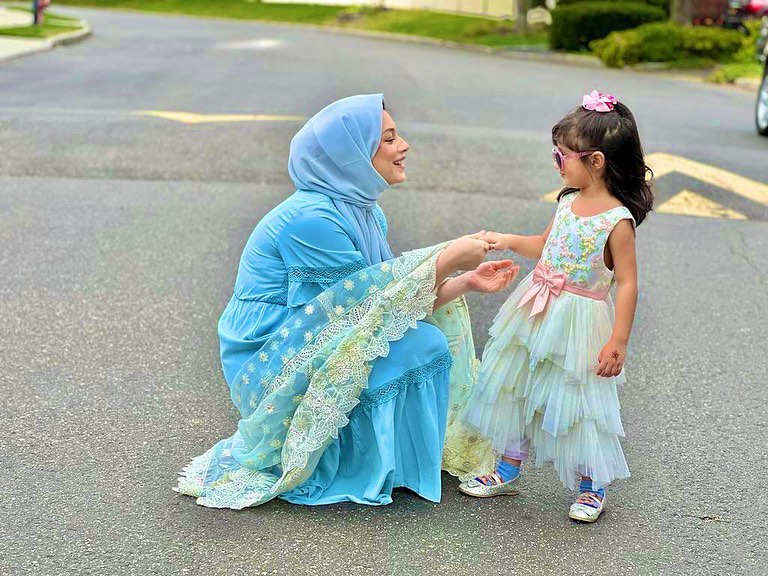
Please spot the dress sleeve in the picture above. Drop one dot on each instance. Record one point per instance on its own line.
(317, 253)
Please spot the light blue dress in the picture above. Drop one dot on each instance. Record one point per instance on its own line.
(395, 435)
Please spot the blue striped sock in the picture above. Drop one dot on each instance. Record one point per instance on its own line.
(586, 486)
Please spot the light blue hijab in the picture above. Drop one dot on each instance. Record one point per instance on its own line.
(332, 155)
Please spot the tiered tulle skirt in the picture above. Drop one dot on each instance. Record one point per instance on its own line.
(537, 381)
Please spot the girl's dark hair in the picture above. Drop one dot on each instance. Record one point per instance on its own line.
(614, 133)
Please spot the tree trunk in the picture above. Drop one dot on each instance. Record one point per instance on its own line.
(682, 11)
(521, 16)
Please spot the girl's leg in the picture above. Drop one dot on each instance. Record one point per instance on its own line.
(509, 466)
(586, 486)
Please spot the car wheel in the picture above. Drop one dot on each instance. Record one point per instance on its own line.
(761, 109)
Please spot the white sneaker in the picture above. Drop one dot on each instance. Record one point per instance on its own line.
(587, 508)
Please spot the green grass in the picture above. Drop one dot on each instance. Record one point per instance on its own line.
(241, 9)
(728, 73)
(454, 28)
(53, 25)
(451, 27)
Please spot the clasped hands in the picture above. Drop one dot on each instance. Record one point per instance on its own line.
(469, 252)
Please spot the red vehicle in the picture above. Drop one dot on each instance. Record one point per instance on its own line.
(738, 11)
(709, 12)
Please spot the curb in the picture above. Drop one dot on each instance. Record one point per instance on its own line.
(553, 58)
(37, 46)
(746, 85)
(511, 52)
(72, 37)
(751, 84)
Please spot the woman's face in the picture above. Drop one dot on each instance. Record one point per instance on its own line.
(389, 160)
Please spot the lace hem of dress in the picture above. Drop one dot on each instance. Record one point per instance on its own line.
(413, 377)
(325, 275)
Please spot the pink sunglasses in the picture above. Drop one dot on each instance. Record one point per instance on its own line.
(560, 158)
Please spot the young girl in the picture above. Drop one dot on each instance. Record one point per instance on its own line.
(550, 370)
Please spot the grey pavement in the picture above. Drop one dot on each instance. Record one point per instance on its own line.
(120, 236)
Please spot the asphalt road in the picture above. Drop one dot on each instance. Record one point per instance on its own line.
(119, 240)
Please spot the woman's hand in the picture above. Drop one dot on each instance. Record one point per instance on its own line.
(467, 252)
(492, 276)
(611, 359)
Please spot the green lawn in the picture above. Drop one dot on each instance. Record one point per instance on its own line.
(727, 73)
(252, 10)
(455, 28)
(53, 24)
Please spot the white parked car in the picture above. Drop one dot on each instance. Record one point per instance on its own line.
(761, 108)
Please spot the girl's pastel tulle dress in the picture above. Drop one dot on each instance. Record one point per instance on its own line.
(537, 384)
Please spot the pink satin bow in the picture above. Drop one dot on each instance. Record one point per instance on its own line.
(598, 101)
(545, 284)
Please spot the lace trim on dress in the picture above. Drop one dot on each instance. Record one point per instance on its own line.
(325, 275)
(413, 377)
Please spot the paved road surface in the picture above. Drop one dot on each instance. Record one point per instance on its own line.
(120, 235)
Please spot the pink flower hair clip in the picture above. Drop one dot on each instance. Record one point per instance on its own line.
(599, 102)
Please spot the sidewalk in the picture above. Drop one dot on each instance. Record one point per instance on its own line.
(14, 47)
(14, 18)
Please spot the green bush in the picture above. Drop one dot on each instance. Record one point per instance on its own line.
(575, 26)
(657, 42)
(715, 43)
(667, 42)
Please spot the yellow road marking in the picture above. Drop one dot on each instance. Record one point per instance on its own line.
(689, 203)
(662, 163)
(192, 118)
(551, 197)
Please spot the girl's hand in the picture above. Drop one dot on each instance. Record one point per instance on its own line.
(467, 252)
(492, 276)
(497, 240)
(611, 359)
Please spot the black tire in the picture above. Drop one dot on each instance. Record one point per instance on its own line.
(761, 107)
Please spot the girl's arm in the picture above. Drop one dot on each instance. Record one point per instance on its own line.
(527, 246)
(621, 243)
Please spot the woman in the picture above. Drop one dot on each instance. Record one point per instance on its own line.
(332, 348)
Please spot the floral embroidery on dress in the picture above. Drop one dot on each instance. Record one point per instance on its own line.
(576, 245)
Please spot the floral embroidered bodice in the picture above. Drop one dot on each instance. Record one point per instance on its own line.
(576, 244)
